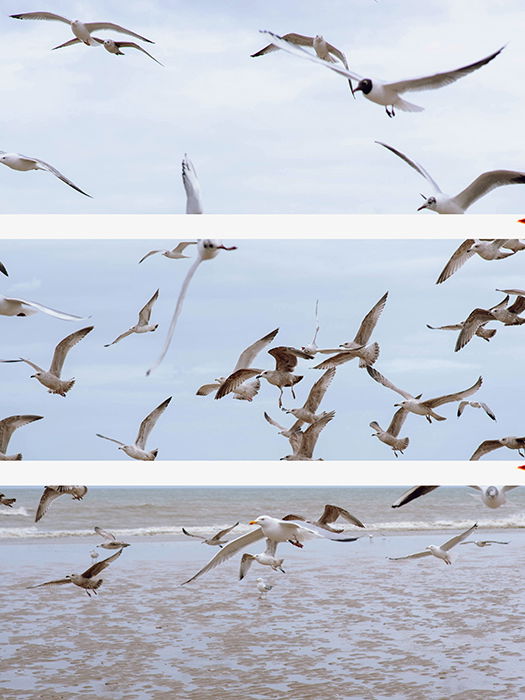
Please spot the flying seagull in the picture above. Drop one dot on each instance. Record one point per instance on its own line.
(51, 378)
(443, 203)
(441, 551)
(51, 493)
(303, 443)
(481, 331)
(7, 428)
(312, 348)
(329, 515)
(138, 449)
(266, 558)
(487, 250)
(7, 502)
(143, 325)
(512, 442)
(176, 253)
(12, 306)
(17, 161)
(484, 543)
(191, 186)
(382, 93)
(89, 580)
(477, 318)
(491, 496)
(112, 542)
(476, 404)
(215, 540)
(307, 413)
(113, 46)
(390, 435)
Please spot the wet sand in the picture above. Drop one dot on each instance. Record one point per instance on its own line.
(344, 622)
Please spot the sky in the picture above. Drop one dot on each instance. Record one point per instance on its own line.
(267, 135)
(233, 300)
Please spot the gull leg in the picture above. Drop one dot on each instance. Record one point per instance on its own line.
(280, 397)
(293, 392)
(296, 543)
(89, 594)
(429, 419)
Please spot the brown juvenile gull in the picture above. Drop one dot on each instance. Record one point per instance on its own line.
(266, 558)
(272, 529)
(8, 502)
(81, 30)
(312, 348)
(390, 435)
(176, 253)
(303, 443)
(143, 325)
(329, 515)
(476, 404)
(358, 347)
(443, 203)
(481, 331)
(382, 93)
(53, 492)
(484, 543)
(512, 442)
(441, 551)
(307, 413)
(491, 496)
(206, 250)
(12, 306)
(509, 316)
(7, 428)
(322, 48)
(112, 542)
(138, 449)
(247, 390)
(89, 580)
(16, 161)
(112, 46)
(215, 540)
(488, 250)
(414, 404)
(51, 378)
(191, 187)
(3, 269)
(282, 376)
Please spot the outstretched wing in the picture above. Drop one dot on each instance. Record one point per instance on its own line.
(148, 423)
(64, 347)
(192, 187)
(416, 166)
(485, 447)
(10, 424)
(458, 538)
(46, 166)
(458, 258)
(298, 39)
(248, 356)
(370, 321)
(449, 398)
(486, 182)
(318, 390)
(99, 566)
(145, 312)
(412, 494)
(378, 377)
(98, 26)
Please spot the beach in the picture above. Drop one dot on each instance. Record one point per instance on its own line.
(343, 622)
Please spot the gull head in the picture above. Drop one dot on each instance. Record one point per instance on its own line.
(492, 492)
(365, 86)
(261, 519)
(208, 248)
(430, 203)
(264, 373)
(37, 375)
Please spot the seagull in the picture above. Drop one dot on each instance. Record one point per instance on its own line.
(12, 306)
(53, 492)
(491, 496)
(215, 540)
(307, 414)
(263, 587)
(387, 94)
(143, 325)
(247, 390)
(272, 529)
(113, 46)
(322, 48)
(112, 542)
(426, 407)
(303, 443)
(282, 376)
(476, 404)
(481, 331)
(7, 428)
(484, 543)
(312, 349)
(17, 161)
(176, 253)
(93, 554)
(51, 378)
(89, 580)
(81, 30)
(206, 250)
(192, 187)
(390, 435)
(443, 203)
(329, 515)
(8, 502)
(509, 316)
(266, 558)
(3, 269)
(487, 250)
(513, 443)
(441, 551)
(358, 347)
(138, 449)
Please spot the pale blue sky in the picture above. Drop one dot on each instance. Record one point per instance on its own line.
(233, 300)
(267, 135)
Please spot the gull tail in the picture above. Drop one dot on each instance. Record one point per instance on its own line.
(368, 355)
(405, 106)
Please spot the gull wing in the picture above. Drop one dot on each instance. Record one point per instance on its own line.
(438, 80)
(451, 327)
(145, 312)
(418, 168)
(331, 513)
(246, 562)
(119, 338)
(370, 320)
(51, 583)
(71, 42)
(449, 398)
(476, 318)
(206, 389)
(378, 377)
(315, 530)
(110, 439)
(151, 252)
(53, 492)
(461, 407)
(336, 360)
(318, 390)
(28, 362)
(236, 379)
(47, 310)
(274, 423)
(248, 356)
(509, 488)
(484, 448)
(286, 357)
(224, 532)
(99, 566)
(458, 258)
(41, 15)
(490, 413)
(3, 269)
(486, 182)
(190, 534)
(458, 538)
(501, 304)
(311, 435)
(10, 424)
(518, 306)
(412, 494)
(192, 187)
(514, 292)
(417, 555)
(104, 533)
(64, 347)
(228, 551)
(293, 38)
(149, 422)
(397, 421)
(133, 45)
(97, 26)
(46, 166)
(181, 247)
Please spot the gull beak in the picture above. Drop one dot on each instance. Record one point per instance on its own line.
(423, 206)
(252, 522)
(259, 376)
(223, 247)
(397, 404)
(352, 88)
(356, 89)
(33, 376)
